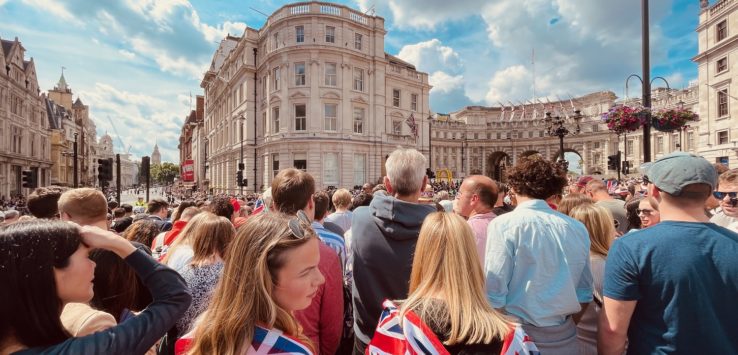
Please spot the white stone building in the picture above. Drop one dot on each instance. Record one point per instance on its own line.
(717, 33)
(312, 89)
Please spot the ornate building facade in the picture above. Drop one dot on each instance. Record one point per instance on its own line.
(24, 134)
(312, 89)
(717, 34)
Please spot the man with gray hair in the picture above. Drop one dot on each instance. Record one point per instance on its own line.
(384, 235)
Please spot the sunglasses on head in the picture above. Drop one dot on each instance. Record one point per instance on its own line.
(721, 195)
(296, 224)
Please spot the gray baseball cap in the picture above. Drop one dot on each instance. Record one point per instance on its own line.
(672, 172)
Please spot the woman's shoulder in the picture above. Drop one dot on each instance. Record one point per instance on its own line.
(274, 341)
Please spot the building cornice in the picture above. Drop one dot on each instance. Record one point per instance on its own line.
(727, 43)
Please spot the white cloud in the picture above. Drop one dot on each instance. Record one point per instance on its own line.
(140, 118)
(55, 7)
(2, 2)
(444, 83)
(511, 82)
(431, 56)
(423, 15)
(126, 54)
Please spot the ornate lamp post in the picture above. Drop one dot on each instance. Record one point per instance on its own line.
(556, 127)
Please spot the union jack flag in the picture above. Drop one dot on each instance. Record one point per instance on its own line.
(258, 206)
(265, 342)
(410, 336)
(611, 185)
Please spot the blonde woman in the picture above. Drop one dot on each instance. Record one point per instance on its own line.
(210, 240)
(342, 217)
(446, 309)
(271, 270)
(648, 212)
(598, 221)
(180, 253)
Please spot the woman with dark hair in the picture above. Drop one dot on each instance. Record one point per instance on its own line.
(178, 212)
(118, 291)
(44, 265)
(143, 231)
(631, 213)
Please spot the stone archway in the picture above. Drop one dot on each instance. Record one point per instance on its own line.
(497, 165)
(578, 165)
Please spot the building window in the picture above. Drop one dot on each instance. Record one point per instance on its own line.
(330, 169)
(596, 145)
(414, 102)
(330, 74)
(690, 140)
(722, 102)
(275, 119)
(330, 117)
(358, 79)
(357, 41)
(264, 84)
(330, 34)
(595, 127)
(359, 169)
(276, 40)
(659, 144)
(629, 147)
(275, 164)
(722, 30)
(397, 127)
(300, 34)
(722, 65)
(395, 97)
(675, 143)
(358, 120)
(275, 77)
(300, 73)
(499, 135)
(300, 118)
(722, 137)
(300, 161)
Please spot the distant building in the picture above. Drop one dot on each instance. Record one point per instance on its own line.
(24, 134)
(717, 132)
(156, 156)
(312, 89)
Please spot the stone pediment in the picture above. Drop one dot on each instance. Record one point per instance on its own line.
(298, 95)
(331, 95)
(274, 99)
(396, 114)
(359, 99)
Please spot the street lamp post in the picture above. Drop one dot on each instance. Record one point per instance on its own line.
(76, 177)
(240, 164)
(556, 127)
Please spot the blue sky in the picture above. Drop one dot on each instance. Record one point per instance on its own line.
(137, 61)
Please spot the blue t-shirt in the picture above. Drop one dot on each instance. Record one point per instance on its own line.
(684, 276)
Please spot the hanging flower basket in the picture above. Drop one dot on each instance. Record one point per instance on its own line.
(672, 119)
(622, 119)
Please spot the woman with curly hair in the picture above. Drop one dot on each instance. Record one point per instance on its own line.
(537, 264)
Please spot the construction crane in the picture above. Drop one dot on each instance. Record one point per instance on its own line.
(118, 135)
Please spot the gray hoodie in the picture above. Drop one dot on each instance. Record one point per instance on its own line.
(383, 243)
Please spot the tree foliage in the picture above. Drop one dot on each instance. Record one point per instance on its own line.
(164, 173)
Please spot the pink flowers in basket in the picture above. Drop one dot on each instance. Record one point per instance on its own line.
(621, 119)
(673, 119)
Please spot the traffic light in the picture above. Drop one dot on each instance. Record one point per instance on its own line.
(30, 179)
(613, 161)
(626, 167)
(239, 177)
(145, 163)
(104, 170)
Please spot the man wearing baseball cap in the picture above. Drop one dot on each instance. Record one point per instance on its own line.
(671, 288)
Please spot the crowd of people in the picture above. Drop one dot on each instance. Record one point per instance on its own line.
(539, 264)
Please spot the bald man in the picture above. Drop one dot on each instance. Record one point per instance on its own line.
(474, 201)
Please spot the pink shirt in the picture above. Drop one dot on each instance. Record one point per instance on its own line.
(322, 321)
(478, 224)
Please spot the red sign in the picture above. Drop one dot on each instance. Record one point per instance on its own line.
(188, 171)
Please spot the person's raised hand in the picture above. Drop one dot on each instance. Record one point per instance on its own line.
(97, 238)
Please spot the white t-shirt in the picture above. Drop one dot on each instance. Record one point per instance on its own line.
(180, 257)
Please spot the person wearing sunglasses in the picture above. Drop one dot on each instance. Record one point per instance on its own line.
(671, 287)
(727, 194)
(271, 270)
(648, 212)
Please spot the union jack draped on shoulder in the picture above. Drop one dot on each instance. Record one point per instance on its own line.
(416, 338)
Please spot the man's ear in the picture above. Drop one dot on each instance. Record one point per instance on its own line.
(654, 192)
(424, 184)
(388, 185)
